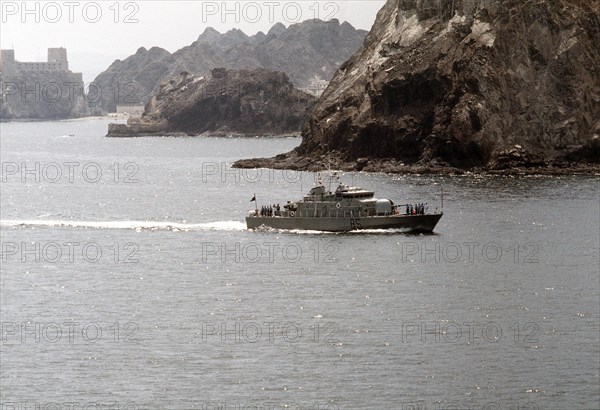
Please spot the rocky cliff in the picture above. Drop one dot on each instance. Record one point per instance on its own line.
(131, 81)
(42, 96)
(457, 84)
(228, 102)
(307, 52)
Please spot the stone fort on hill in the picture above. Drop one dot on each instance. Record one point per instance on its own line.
(57, 61)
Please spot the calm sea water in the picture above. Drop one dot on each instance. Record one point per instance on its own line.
(129, 280)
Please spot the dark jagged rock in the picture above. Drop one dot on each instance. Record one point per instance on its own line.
(306, 52)
(446, 85)
(228, 102)
(132, 80)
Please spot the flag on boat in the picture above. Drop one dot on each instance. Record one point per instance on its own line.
(253, 198)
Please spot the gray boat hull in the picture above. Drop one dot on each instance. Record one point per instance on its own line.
(408, 223)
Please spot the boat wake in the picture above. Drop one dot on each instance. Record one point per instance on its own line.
(134, 225)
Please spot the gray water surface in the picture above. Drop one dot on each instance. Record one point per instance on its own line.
(132, 282)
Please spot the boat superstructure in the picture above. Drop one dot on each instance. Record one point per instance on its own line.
(345, 209)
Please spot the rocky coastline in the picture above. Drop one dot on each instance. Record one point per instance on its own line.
(454, 87)
(323, 162)
(227, 103)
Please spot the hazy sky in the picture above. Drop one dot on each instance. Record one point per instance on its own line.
(97, 32)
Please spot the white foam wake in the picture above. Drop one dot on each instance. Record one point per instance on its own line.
(389, 231)
(135, 225)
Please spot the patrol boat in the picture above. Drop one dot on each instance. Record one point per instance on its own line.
(346, 209)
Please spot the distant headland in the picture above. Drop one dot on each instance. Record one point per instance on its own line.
(256, 102)
(41, 90)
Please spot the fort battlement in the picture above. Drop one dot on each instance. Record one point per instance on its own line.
(57, 61)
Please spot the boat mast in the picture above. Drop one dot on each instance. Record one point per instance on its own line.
(329, 168)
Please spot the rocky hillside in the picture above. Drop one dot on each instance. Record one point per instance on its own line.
(306, 52)
(446, 84)
(42, 96)
(228, 102)
(133, 80)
